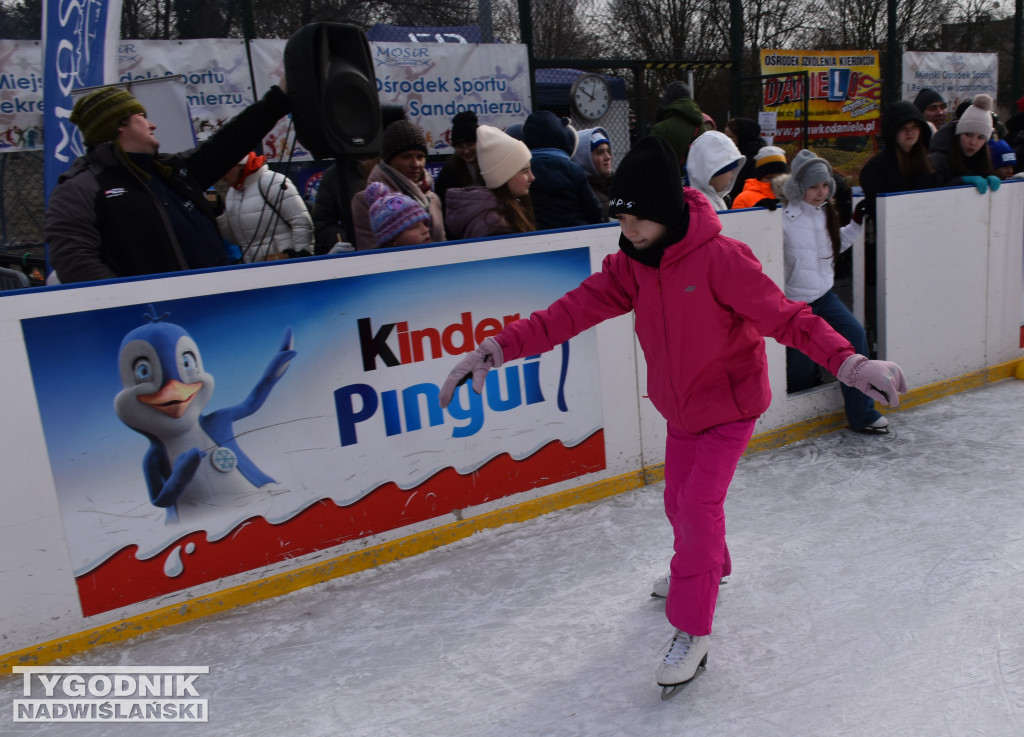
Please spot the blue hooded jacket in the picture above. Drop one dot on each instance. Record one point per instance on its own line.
(561, 195)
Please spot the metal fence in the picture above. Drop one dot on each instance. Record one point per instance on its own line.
(21, 209)
(645, 80)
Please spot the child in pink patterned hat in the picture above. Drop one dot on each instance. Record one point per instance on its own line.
(396, 219)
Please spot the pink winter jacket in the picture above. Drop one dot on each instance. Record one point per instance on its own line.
(700, 318)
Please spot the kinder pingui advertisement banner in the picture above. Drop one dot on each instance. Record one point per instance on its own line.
(843, 88)
(198, 438)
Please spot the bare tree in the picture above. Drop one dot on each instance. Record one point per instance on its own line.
(276, 19)
(863, 24)
(199, 19)
(21, 19)
(505, 19)
(147, 19)
(772, 24)
(663, 29)
(562, 29)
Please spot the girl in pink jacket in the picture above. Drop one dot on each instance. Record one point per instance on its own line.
(702, 305)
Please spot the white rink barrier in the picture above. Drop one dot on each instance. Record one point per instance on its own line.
(178, 445)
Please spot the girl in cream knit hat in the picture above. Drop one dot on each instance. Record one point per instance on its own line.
(960, 148)
(501, 206)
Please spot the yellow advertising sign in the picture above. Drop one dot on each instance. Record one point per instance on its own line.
(843, 90)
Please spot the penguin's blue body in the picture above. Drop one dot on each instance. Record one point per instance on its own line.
(194, 460)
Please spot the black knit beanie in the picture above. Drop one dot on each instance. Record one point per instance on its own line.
(399, 137)
(464, 127)
(647, 183)
(926, 97)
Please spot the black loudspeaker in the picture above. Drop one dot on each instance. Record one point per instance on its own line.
(333, 90)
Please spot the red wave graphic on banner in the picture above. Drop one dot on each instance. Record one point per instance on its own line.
(123, 579)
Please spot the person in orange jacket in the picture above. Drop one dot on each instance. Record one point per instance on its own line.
(769, 164)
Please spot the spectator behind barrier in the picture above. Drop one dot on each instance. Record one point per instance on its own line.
(1004, 160)
(329, 210)
(712, 166)
(1015, 136)
(264, 214)
(461, 169)
(812, 241)
(594, 154)
(397, 220)
(125, 209)
(959, 151)
(561, 195)
(504, 204)
(332, 212)
(933, 108)
(403, 169)
(746, 134)
(759, 190)
(679, 121)
(903, 164)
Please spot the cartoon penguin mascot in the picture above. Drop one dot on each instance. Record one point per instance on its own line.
(194, 461)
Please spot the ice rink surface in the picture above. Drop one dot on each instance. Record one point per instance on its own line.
(877, 590)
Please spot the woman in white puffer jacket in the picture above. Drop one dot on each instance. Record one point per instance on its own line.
(264, 214)
(812, 240)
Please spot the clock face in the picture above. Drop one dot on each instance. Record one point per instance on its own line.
(591, 96)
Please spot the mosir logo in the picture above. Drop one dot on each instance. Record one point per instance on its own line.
(111, 694)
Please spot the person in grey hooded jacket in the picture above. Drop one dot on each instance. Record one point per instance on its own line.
(594, 154)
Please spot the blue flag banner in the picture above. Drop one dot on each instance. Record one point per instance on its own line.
(79, 50)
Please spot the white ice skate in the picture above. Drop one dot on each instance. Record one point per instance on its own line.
(659, 589)
(686, 656)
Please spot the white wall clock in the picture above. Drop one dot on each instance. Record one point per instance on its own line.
(590, 96)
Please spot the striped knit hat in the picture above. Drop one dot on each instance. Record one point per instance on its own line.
(770, 160)
(391, 213)
(99, 113)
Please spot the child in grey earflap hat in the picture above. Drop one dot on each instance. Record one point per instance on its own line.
(806, 170)
(812, 241)
(701, 310)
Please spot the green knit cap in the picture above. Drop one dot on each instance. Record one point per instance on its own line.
(99, 113)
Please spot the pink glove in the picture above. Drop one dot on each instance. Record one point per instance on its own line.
(478, 363)
(881, 380)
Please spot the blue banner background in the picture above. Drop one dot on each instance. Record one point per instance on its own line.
(79, 46)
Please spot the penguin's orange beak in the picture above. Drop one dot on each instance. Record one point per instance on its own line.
(173, 398)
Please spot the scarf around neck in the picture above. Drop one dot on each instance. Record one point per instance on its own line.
(652, 255)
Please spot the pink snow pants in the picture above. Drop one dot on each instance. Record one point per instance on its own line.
(698, 471)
